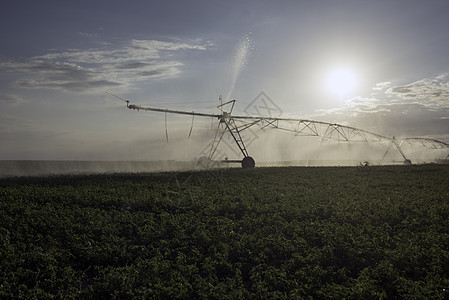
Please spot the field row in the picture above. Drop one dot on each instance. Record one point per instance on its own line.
(366, 232)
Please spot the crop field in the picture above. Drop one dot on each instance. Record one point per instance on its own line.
(292, 232)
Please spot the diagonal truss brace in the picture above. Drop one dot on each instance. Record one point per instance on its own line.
(235, 133)
(217, 139)
(395, 143)
(232, 128)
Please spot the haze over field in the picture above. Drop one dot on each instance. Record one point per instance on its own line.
(378, 65)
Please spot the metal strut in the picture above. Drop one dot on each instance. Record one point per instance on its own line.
(166, 130)
(234, 131)
(394, 142)
(217, 139)
(191, 127)
(399, 148)
(386, 151)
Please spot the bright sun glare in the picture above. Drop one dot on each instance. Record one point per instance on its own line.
(341, 82)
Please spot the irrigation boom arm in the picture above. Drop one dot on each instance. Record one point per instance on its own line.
(171, 111)
(141, 107)
(255, 119)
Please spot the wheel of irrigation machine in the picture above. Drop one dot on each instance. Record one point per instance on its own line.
(248, 162)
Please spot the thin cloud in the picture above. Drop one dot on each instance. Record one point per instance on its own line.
(141, 71)
(433, 92)
(59, 75)
(87, 35)
(381, 86)
(10, 99)
(88, 70)
(133, 66)
(161, 73)
(154, 45)
(416, 109)
(401, 120)
(135, 51)
(71, 86)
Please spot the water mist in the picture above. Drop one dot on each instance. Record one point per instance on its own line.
(240, 59)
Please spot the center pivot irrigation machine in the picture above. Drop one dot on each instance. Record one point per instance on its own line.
(235, 124)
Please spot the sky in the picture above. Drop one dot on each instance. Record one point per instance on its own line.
(382, 66)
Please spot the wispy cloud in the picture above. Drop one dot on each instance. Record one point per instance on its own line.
(382, 86)
(58, 75)
(10, 99)
(87, 70)
(133, 51)
(433, 92)
(416, 109)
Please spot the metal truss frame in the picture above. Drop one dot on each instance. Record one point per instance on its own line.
(235, 125)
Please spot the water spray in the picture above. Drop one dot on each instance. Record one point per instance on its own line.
(240, 59)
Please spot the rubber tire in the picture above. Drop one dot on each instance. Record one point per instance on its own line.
(248, 162)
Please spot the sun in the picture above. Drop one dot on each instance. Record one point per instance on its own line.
(341, 82)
